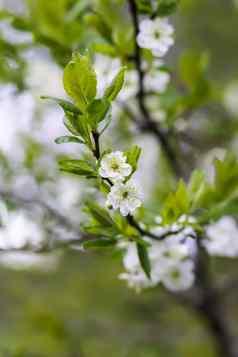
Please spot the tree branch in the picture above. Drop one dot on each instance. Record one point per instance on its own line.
(148, 123)
(210, 308)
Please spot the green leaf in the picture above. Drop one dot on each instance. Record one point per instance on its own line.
(80, 81)
(84, 129)
(105, 49)
(193, 68)
(133, 156)
(99, 243)
(71, 123)
(96, 20)
(112, 91)
(144, 259)
(144, 6)
(97, 111)
(77, 167)
(176, 204)
(68, 139)
(166, 7)
(196, 187)
(100, 214)
(65, 105)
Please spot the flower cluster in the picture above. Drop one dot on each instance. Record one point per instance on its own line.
(171, 259)
(123, 195)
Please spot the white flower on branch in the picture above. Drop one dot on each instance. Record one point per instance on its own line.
(179, 277)
(222, 238)
(124, 197)
(114, 166)
(156, 35)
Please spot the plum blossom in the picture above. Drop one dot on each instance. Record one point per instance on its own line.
(179, 277)
(156, 35)
(222, 238)
(114, 166)
(124, 197)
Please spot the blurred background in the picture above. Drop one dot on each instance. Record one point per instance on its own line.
(76, 306)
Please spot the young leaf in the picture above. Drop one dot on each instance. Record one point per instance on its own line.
(97, 111)
(112, 91)
(177, 203)
(84, 128)
(105, 49)
(80, 81)
(166, 7)
(77, 167)
(100, 214)
(71, 123)
(144, 6)
(65, 105)
(133, 156)
(78, 125)
(96, 20)
(68, 139)
(144, 259)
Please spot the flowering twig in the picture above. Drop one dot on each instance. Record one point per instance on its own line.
(130, 219)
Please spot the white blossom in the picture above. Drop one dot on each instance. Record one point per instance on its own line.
(114, 166)
(156, 35)
(222, 238)
(179, 277)
(124, 197)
